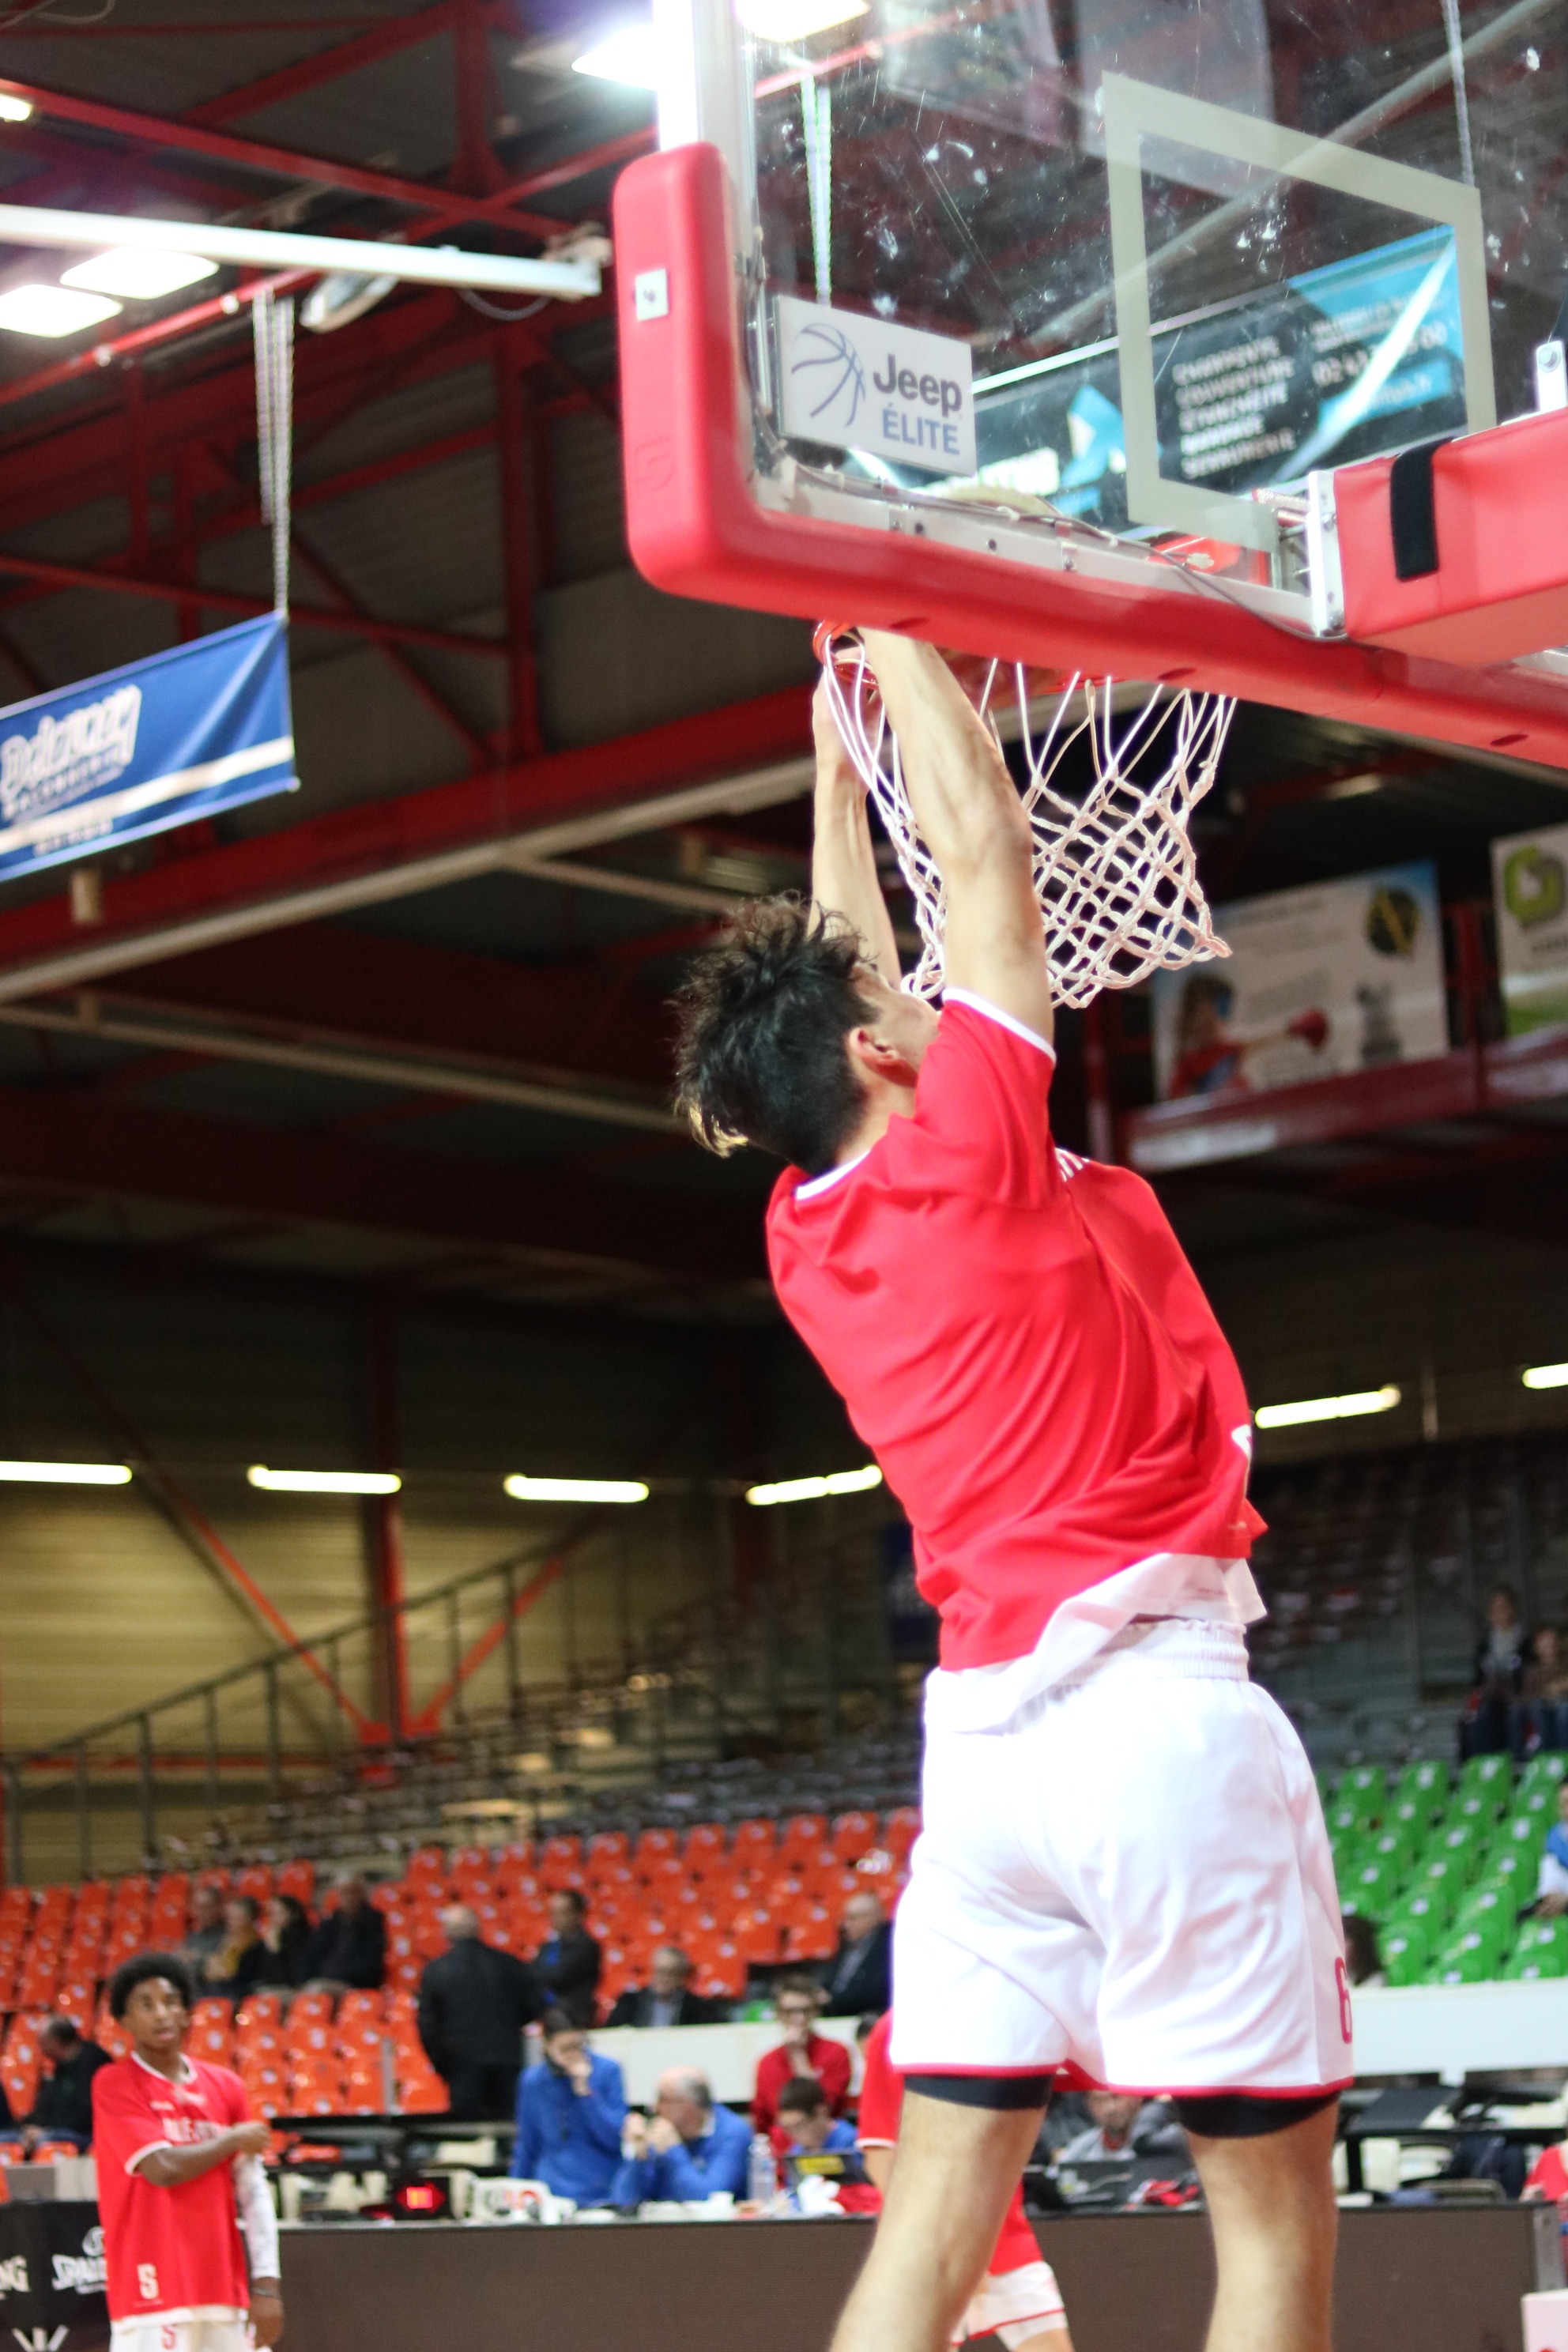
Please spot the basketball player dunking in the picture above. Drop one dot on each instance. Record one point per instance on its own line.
(1123, 1876)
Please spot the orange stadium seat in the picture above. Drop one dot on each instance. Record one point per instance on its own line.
(298, 1879)
(212, 2032)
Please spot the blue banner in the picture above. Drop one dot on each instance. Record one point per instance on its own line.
(179, 736)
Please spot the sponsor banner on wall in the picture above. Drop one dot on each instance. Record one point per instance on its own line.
(1530, 889)
(1335, 977)
(158, 743)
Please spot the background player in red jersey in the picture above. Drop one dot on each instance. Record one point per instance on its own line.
(179, 2180)
(1122, 1873)
(1018, 2300)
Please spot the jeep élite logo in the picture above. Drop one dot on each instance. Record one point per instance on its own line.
(861, 383)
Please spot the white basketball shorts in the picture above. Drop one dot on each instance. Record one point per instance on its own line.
(212, 2328)
(1129, 1880)
(1014, 2305)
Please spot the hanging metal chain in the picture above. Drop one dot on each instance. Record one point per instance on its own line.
(274, 323)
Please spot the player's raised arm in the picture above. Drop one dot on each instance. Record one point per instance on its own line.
(968, 809)
(844, 878)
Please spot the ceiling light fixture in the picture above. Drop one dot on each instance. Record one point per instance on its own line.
(629, 54)
(52, 310)
(813, 1490)
(575, 1490)
(795, 20)
(136, 276)
(1334, 1407)
(323, 1482)
(1545, 1376)
(65, 1474)
(15, 109)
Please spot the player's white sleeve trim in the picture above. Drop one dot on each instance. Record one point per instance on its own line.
(994, 1012)
(151, 2148)
(258, 2218)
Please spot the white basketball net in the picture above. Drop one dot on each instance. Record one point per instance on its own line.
(1115, 871)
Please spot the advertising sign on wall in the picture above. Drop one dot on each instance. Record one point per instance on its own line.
(1530, 888)
(180, 735)
(1335, 977)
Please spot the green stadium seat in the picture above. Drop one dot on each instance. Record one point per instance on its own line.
(1538, 1800)
(1462, 1842)
(1495, 1772)
(1541, 1950)
(1395, 1845)
(1511, 1867)
(1442, 1878)
(1469, 1958)
(1369, 1889)
(1366, 1784)
(1405, 1958)
(1345, 1821)
(1476, 1804)
(1426, 1781)
(1543, 1772)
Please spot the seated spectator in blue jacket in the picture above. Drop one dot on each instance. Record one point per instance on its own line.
(690, 2150)
(806, 2122)
(570, 2111)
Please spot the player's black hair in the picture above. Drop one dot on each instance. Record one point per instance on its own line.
(557, 2020)
(763, 1018)
(141, 1970)
(572, 1894)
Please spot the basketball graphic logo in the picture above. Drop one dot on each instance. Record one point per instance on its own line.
(844, 374)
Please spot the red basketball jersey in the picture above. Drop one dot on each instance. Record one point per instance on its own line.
(167, 2250)
(881, 2101)
(1021, 1342)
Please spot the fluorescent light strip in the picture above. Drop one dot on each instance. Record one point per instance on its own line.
(575, 1490)
(1545, 1376)
(1335, 1408)
(814, 1490)
(52, 312)
(630, 56)
(64, 1473)
(136, 276)
(323, 1482)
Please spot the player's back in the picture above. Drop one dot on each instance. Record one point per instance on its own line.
(1019, 1338)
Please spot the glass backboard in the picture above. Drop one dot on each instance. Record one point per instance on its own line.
(1148, 266)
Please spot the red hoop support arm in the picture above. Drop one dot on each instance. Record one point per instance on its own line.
(696, 530)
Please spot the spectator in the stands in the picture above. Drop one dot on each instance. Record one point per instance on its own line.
(474, 2002)
(567, 1963)
(1552, 1882)
(1122, 2124)
(1539, 1716)
(859, 1977)
(667, 1999)
(1499, 1676)
(348, 1951)
(1363, 1961)
(690, 2150)
(570, 2111)
(235, 1968)
(207, 1930)
(803, 2054)
(285, 1943)
(807, 2124)
(62, 2108)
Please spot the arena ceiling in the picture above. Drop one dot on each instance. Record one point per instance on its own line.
(409, 1027)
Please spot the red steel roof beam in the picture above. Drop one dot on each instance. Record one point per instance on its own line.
(160, 133)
